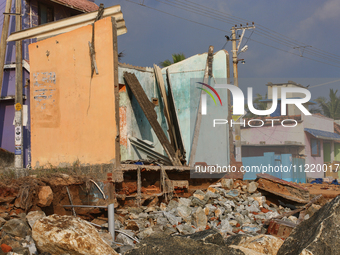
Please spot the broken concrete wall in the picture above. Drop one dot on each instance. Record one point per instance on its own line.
(213, 143)
(72, 114)
(182, 74)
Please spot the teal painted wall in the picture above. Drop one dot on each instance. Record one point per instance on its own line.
(213, 144)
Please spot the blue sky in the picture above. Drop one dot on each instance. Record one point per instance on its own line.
(153, 36)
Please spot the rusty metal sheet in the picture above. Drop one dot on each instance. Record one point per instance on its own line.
(150, 114)
(279, 187)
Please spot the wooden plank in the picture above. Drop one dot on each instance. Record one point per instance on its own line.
(281, 188)
(149, 111)
(3, 42)
(161, 86)
(199, 113)
(175, 122)
(116, 92)
(121, 29)
(69, 24)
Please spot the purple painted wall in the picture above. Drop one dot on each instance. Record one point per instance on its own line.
(29, 19)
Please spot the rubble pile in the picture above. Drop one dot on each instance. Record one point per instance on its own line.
(229, 211)
(231, 217)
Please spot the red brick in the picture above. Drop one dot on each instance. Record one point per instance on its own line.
(6, 248)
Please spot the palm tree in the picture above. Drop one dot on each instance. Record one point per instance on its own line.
(175, 58)
(330, 108)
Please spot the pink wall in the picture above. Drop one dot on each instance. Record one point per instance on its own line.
(273, 135)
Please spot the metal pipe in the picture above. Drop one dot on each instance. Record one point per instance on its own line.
(118, 231)
(86, 206)
(96, 225)
(134, 239)
(70, 198)
(111, 220)
(98, 188)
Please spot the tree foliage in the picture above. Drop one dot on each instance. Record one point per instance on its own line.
(175, 59)
(330, 107)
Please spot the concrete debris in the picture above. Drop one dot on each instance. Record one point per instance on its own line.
(200, 219)
(17, 228)
(260, 244)
(233, 217)
(66, 234)
(45, 196)
(316, 235)
(252, 187)
(227, 183)
(33, 216)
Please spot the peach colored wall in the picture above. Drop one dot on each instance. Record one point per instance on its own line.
(72, 115)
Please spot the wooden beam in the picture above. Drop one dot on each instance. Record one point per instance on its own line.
(3, 42)
(150, 114)
(166, 110)
(208, 69)
(69, 24)
(121, 29)
(116, 92)
(175, 121)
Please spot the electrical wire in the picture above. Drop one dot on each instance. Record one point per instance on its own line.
(269, 35)
(176, 16)
(235, 19)
(282, 39)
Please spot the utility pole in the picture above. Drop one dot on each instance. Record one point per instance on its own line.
(18, 159)
(3, 43)
(238, 151)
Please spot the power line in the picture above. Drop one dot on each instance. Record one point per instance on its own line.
(176, 16)
(283, 39)
(326, 83)
(230, 22)
(293, 53)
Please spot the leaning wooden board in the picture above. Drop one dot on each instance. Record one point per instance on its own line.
(150, 114)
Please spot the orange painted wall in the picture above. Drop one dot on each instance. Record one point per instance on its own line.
(72, 115)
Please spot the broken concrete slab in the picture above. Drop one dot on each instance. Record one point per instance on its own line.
(59, 234)
(17, 227)
(260, 244)
(166, 245)
(317, 234)
(33, 216)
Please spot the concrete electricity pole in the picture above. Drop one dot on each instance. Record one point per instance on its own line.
(18, 159)
(238, 151)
